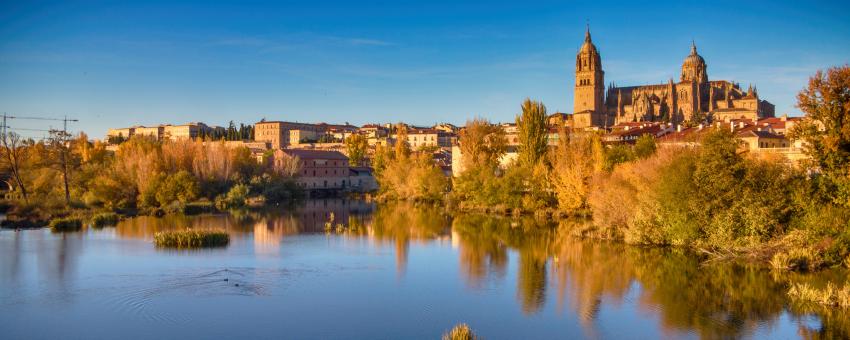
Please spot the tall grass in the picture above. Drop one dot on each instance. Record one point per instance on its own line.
(191, 238)
(66, 224)
(460, 332)
(104, 219)
(831, 295)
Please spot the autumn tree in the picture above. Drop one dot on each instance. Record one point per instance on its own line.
(532, 132)
(402, 149)
(481, 143)
(577, 158)
(356, 146)
(826, 126)
(61, 157)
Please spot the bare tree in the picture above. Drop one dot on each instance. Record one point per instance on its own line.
(13, 155)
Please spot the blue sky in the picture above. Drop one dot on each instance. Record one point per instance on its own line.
(113, 64)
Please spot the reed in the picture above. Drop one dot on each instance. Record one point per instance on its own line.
(66, 224)
(191, 238)
(104, 219)
(831, 295)
(460, 332)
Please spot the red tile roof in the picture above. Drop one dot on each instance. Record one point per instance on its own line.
(315, 154)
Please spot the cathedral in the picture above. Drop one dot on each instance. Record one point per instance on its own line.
(694, 98)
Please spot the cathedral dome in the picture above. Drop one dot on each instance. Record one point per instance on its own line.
(694, 67)
(588, 46)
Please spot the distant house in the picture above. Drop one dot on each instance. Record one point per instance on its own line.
(317, 169)
(362, 179)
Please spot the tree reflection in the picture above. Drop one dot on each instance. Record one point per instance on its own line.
(711, 300)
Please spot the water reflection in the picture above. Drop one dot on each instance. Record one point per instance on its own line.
(544, 269)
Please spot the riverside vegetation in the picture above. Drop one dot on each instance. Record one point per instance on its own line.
(191, 238)
(142, 176)
(712, 198)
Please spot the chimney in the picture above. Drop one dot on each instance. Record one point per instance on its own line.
(784, 117)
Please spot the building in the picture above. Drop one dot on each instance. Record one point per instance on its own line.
(362, 179)
(155, 132)
(165, 131)
(628, 133)
(692, 97)
(282, 134)
(185, 131)
(418, 138)
(318, 170)
(121, 133)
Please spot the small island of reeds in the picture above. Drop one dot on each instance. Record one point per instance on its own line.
(191, 238)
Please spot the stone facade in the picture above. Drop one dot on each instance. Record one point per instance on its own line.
(692, 97)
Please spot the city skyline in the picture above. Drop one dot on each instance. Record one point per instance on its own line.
(112, 66)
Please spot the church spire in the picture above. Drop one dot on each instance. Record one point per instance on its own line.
(693, 47)
(587, 34)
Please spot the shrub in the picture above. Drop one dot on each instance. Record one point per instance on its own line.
(66, 224)
(191, 238)
(460, 332)
(235, 198)
(104, 219)
(199, 207)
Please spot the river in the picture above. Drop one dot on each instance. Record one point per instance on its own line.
(395, 272)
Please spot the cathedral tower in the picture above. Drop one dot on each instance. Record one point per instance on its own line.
(590, 88)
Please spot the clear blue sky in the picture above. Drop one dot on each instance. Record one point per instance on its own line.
(114, 64)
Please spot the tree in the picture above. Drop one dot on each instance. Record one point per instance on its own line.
(645, 146)
(825, 129)
(482, 144)
(356, 145)
(61, 157)
(402, 149)
(532, 130)
(826, 126)
(575, 161)
(14, 153)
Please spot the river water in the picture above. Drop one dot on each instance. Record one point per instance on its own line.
(395, 272)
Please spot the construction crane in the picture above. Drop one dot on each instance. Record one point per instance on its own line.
(64, 121)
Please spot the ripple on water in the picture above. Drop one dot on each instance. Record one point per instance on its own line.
(137, 299)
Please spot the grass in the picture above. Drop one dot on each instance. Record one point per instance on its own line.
(104, 219)
(460, 332)
(829, 296)
(66, 224)
(192, 238)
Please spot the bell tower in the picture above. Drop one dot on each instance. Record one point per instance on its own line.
(590, 82)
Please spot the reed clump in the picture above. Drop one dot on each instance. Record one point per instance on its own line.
(831, 295)
(104, 219)
(460, 332)
(191, 238)
(66, 224)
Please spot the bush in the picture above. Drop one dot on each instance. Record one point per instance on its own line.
(200, 207)
(104, 219)
(191, 238)
(66, 224)
(235, 198)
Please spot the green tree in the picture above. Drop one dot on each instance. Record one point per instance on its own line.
(532, 132)
(645, 146)
(356, 146)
